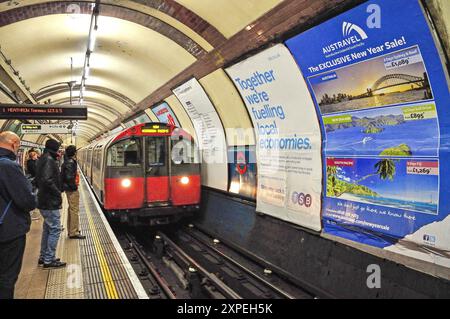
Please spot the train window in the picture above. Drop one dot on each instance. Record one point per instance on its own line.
(97, 158)
(125, 153)
(156, 149)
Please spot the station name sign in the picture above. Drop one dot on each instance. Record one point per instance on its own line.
(45, 129)
(42, 112)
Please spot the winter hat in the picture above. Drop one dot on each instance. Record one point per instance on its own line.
(52, 145)
(71, 150)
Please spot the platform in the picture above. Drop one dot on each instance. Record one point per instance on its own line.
(97, 267)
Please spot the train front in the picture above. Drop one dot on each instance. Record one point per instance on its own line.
(152, 175)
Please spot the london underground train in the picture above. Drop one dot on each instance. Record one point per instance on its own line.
(148, 174)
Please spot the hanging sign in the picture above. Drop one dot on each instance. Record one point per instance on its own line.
(42, 112)
(45, 129)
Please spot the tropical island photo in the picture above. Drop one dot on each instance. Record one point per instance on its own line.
(372, 132)
(372, 84)
(384, 182)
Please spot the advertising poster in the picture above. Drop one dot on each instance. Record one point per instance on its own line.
(288, 134)
(210, 133)
(165, 114)
(378, 82)
(129, 124)
(143, 118)
(242, 171)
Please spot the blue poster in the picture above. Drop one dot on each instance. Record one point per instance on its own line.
(379, 85)
(165, 114)
(242, 171)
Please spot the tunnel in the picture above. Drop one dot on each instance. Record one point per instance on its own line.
(315, 136)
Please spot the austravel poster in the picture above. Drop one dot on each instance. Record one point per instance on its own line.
(379, 85)
(288, 134)
(165, 114)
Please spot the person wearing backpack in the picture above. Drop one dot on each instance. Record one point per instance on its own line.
(70, 181)
(16, 202)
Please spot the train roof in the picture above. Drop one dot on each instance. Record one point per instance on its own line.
(144, 129)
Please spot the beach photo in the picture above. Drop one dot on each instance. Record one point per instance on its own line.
(411, 185)
(396, 78)
(393, 131)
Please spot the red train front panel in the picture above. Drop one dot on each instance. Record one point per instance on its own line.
(186, 190)
(124, 193)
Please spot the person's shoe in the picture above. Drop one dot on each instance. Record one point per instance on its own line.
(55, 264)
(41, 261)
(77, 237)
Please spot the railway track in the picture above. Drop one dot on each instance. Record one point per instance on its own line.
(188, 264)
(160, 286)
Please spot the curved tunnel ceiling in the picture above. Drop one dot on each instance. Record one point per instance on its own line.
(140, 46)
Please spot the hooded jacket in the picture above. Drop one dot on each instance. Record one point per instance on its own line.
(15, 189)
(48, 181)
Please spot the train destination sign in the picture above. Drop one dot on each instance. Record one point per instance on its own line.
(159, 129)
(45, 129)
(42, 112)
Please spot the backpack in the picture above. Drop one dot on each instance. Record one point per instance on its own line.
(5, 211)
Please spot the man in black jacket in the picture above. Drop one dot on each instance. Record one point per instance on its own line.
(49, 203)
(16, 202)
(70, 178)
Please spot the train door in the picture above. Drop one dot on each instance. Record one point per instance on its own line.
(157, 170)
(124, 180)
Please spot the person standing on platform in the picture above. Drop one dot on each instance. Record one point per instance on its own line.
(16, 202)
(31, 175)
(70, 180)
(49, 203)
(31, 163)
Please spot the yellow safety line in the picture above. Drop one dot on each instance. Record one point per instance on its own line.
(104, 267)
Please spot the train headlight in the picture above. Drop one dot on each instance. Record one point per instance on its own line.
(126, 183)
(184, 180)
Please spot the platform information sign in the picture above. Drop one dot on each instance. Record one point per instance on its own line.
(288, 134)
(24, 143)
(379, 85)
(210, 133)
(42, 112)
(45, 129)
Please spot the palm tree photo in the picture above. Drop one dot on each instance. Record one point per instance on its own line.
(385, 169)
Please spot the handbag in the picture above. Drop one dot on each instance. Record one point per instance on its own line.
(77, 179)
